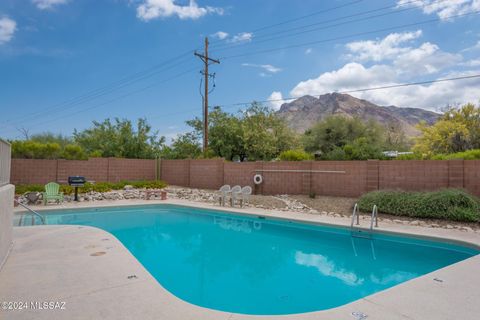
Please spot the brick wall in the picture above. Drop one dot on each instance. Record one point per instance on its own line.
(176, 172)
(39, 171)
(334, 178)
(25, 171)
(471, 174)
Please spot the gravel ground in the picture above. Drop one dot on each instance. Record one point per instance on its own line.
(339, 205)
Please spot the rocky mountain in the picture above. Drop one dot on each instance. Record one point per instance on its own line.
(304, 112)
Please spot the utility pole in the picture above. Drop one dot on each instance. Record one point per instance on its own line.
(206, 61)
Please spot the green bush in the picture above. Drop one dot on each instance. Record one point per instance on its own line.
(98, 187)
(465, 155)
(154, 184)
(448, 204)
(295, 155)
(21, 189)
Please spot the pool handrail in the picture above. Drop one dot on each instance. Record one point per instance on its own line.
(374, 216)
(355, 214)
(42, 218)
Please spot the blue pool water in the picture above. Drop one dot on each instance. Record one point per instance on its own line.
(257, 266)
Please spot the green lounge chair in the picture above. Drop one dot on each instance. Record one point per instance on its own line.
(52, 193)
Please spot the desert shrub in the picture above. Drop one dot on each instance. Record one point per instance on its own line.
(154, 184)
(465, 155)
(73, 152)
(21, 189)
(88, 187)
(448, 204)
(295, 155)
(66, 189)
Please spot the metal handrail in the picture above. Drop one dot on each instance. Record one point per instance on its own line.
(42, 218)
(355, 214)
(374, 216)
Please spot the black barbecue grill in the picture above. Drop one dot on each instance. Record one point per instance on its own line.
(76, 181)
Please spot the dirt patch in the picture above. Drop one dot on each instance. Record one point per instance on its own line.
(325, 204)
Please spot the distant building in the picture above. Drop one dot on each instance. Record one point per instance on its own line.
(394, 154)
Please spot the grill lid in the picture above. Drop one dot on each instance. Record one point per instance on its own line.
(78, 180)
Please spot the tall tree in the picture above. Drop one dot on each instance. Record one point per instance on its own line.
(120, 139)
(255, 133)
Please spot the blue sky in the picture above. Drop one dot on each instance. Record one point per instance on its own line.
(64, 63)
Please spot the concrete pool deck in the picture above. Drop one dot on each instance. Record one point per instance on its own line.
(97, 277)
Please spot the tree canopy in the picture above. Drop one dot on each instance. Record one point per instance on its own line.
(254, 134)
(120, 139)
(338, 137)
(457, 130)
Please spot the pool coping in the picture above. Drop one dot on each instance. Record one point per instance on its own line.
(403, 301)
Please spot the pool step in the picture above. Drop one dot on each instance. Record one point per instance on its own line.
(360, 233)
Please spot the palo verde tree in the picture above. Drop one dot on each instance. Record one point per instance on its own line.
(457, 130)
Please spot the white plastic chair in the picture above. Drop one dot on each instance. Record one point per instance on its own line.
(222, 194)
(245, 195)
(235, 192)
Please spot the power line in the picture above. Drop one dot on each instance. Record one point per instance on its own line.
(102, 91)
(276, 35)
(165, 115)
(300, 18)
(348, 36)
(408, 84)
(75, 104)
(115, 99)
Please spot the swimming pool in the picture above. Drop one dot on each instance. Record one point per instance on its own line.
(260, 266)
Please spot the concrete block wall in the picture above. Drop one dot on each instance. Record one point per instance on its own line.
(282, 177)
(332, 178)
(40, 171)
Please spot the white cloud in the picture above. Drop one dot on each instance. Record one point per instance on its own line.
(355, 76)
(399, 64)
(425, 59)
(277, 98)
(152, 9)
(471, 63)
(443, 9)
(327, 267)
(351, 76)
(308, 51)
(268, 68)
(378, 50)
(473, 48)
(48, 4)
(7, 29)
(241, 37)
(220, 35)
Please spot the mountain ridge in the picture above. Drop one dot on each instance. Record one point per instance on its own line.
(302, 113)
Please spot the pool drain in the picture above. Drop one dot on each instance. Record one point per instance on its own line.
(359, 315)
